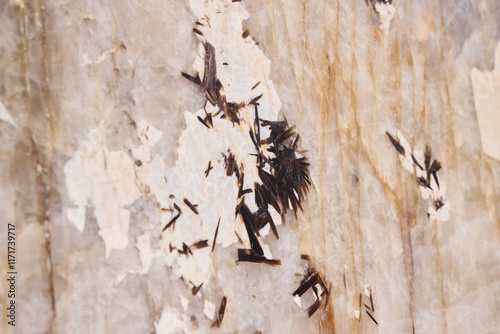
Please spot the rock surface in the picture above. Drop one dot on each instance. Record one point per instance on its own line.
(99, 128)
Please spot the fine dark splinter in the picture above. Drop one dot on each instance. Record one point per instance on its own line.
(248, 255)
(195, 288)
(215, 235)
(191, 206)
(220, 315)
(171, 222)
(209, 168)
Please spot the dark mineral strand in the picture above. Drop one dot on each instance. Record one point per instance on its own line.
(171, 222)
(249, 221)
(396, 144)
(220, 315)
(212, 88)
(215, 235)
(248, 255)
(195, 288)
(200, 244)
(371, 316)
(288, 181)
(209, 168)
(230, 163)
(310, 281)
(191, 206)
(185, 250)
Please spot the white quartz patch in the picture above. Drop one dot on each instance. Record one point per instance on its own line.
(184, 303)
(77, 217)
(142, 153)
(386, 12)
(107, 179)
(298, 301)
(144, 246)
(209, 309)
(486, 87)
(147, 133)
(215, 195)
(5, 116)
(110, 180)
(170, 322)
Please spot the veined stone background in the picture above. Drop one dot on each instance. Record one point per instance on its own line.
(89, 87)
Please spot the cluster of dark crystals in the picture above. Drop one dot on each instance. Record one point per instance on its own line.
(185, 250)
(231, 164)
(179, 212)
(312, 279)
(212, 89)
(284, 183)
(288, 181)
(284, 178)
(430, 167)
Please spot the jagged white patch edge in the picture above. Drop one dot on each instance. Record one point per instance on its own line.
(5, 116)
(443, 214)
(385, 12)
(107, 180)
(215, 195)
(91, 179)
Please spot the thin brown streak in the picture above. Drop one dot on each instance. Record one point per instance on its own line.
(453, 146)
(492, 202)
(406, 239)
(44, 178)
(443, 301)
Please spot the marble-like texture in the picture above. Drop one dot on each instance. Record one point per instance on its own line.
(82, 79)
(487, 99)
